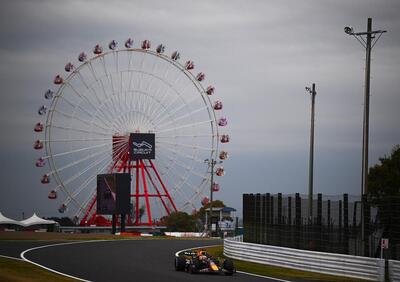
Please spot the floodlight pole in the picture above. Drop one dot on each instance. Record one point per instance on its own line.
(311, 160)
(364, 170)
(370, 34)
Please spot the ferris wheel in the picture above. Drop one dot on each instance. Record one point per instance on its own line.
(98, 102)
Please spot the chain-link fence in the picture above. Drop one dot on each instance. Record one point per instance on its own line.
(283, 220)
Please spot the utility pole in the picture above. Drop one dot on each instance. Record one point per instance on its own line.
(311, 160)
(211, 163)
(368, 43)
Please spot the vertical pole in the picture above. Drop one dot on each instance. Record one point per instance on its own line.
(114, 224)
(123, 218)
(364, 172)
(211, 194)
(137, 217)
(311, 161)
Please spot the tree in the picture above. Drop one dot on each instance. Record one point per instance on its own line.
(179, 221)
(202, 211)
(384, 193)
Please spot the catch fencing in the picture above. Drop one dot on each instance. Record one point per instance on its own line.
(394, 270)
(329, 263)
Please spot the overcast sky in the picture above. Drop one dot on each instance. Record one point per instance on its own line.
(259, 55)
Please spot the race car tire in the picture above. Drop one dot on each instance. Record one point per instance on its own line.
(180, 263)
(194, 266)
(228, 267)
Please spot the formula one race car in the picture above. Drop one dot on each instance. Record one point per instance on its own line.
(201, 262)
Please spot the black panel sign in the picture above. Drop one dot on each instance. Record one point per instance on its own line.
(142, 146)
(113, 193)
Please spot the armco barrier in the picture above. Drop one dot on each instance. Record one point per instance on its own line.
(394, 270)
(328, 263)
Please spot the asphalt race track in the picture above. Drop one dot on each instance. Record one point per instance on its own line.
(122, 260)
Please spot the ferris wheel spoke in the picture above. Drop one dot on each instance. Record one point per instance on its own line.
(185, 135)
(79, 130)
(177, 188)
(75, 140)
(88, 180)
(187, 104)
(185, 126)
(80, 150)
(80, 119)
(178, 152)
(189, 168)
(185, 145)
(183, 116)
(80, 173)
(82, 96)
(79, 161)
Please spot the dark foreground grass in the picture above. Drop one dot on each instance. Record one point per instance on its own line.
(21, 271)
(280, 272)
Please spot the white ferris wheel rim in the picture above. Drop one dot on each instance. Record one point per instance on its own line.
(214, 134)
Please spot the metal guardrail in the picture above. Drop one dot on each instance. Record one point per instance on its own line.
(328, 263)
(394, 270)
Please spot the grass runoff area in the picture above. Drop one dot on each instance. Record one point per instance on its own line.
(17, 270)
(279, 272)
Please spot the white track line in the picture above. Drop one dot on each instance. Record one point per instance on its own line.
(11, 258)
(53, 245)
(242, 272)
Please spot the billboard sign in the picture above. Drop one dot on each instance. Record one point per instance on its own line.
(113, 193)
(142, 146)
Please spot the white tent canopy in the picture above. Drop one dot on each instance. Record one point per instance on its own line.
(6, 220)
(35, 220)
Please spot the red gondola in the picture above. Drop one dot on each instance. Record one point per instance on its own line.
(82, 57)
(97, 50)
(160, 49)
(189, 65)
(223, 155)
(45, 179)
(146, 44)
(69, 67)
(129, 43)
(210, 90)
(224, 138)
(40, 162)
(38, 127)
(222, 121)
(175, 56)
(112, 45)
(215, 187)
(58, 79)
(200, 76)
(218, 105)
(205, 201)
(220, 171)
(52, 195)
(38, 145)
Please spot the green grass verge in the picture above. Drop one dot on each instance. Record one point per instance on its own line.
(21, 271)
(280, 272)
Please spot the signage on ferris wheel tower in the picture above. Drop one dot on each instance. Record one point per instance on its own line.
(142, 146)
